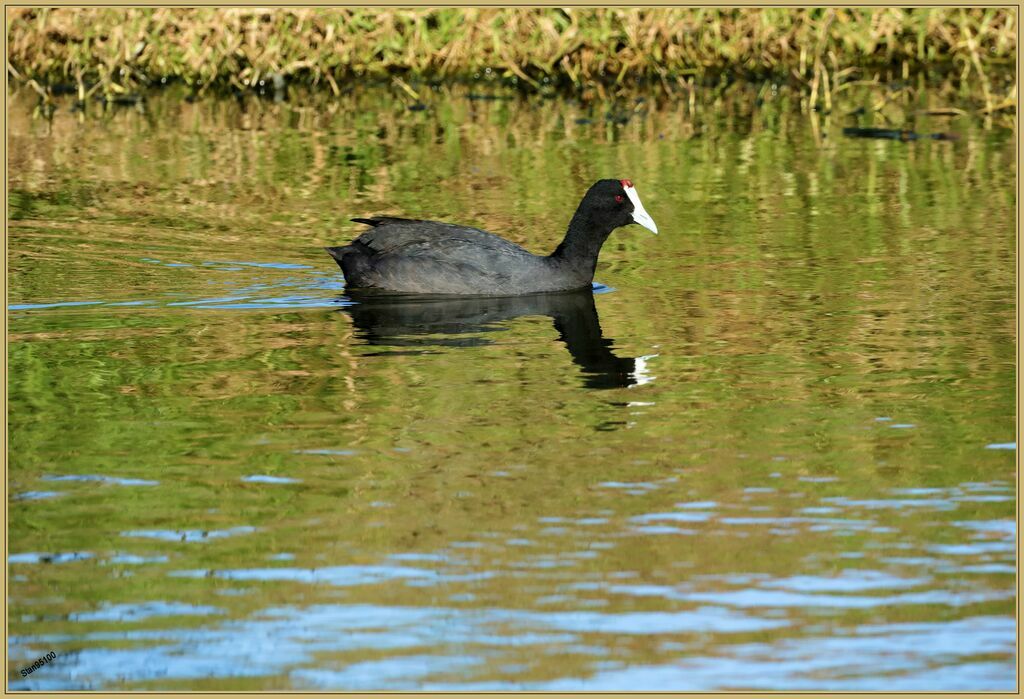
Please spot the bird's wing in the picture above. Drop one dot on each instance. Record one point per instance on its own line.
(433, 239)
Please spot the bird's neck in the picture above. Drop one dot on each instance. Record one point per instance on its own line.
(582, 243)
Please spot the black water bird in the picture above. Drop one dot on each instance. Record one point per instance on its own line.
(430, 257)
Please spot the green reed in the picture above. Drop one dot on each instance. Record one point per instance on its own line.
(114, 50)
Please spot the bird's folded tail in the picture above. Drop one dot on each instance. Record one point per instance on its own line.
(338, 252)
(353, 259)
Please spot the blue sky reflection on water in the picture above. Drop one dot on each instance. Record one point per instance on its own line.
(292, 640)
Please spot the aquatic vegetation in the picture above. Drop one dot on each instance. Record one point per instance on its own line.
(115, 50)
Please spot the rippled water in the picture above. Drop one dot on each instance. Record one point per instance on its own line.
(774, 450)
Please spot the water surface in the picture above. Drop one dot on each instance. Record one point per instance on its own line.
(773, 450)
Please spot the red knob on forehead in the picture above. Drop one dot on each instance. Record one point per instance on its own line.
(626, 183)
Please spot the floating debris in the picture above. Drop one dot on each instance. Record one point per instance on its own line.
(895, 134)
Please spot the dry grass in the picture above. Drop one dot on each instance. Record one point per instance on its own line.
(115, 50)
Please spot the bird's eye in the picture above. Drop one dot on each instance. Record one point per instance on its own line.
(618, 198)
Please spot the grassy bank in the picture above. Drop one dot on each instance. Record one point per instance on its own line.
(113, 50)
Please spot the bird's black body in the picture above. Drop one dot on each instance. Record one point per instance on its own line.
(430, 257)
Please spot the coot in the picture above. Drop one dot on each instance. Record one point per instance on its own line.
(430, 257)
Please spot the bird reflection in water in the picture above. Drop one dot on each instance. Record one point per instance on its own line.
(415, 320)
